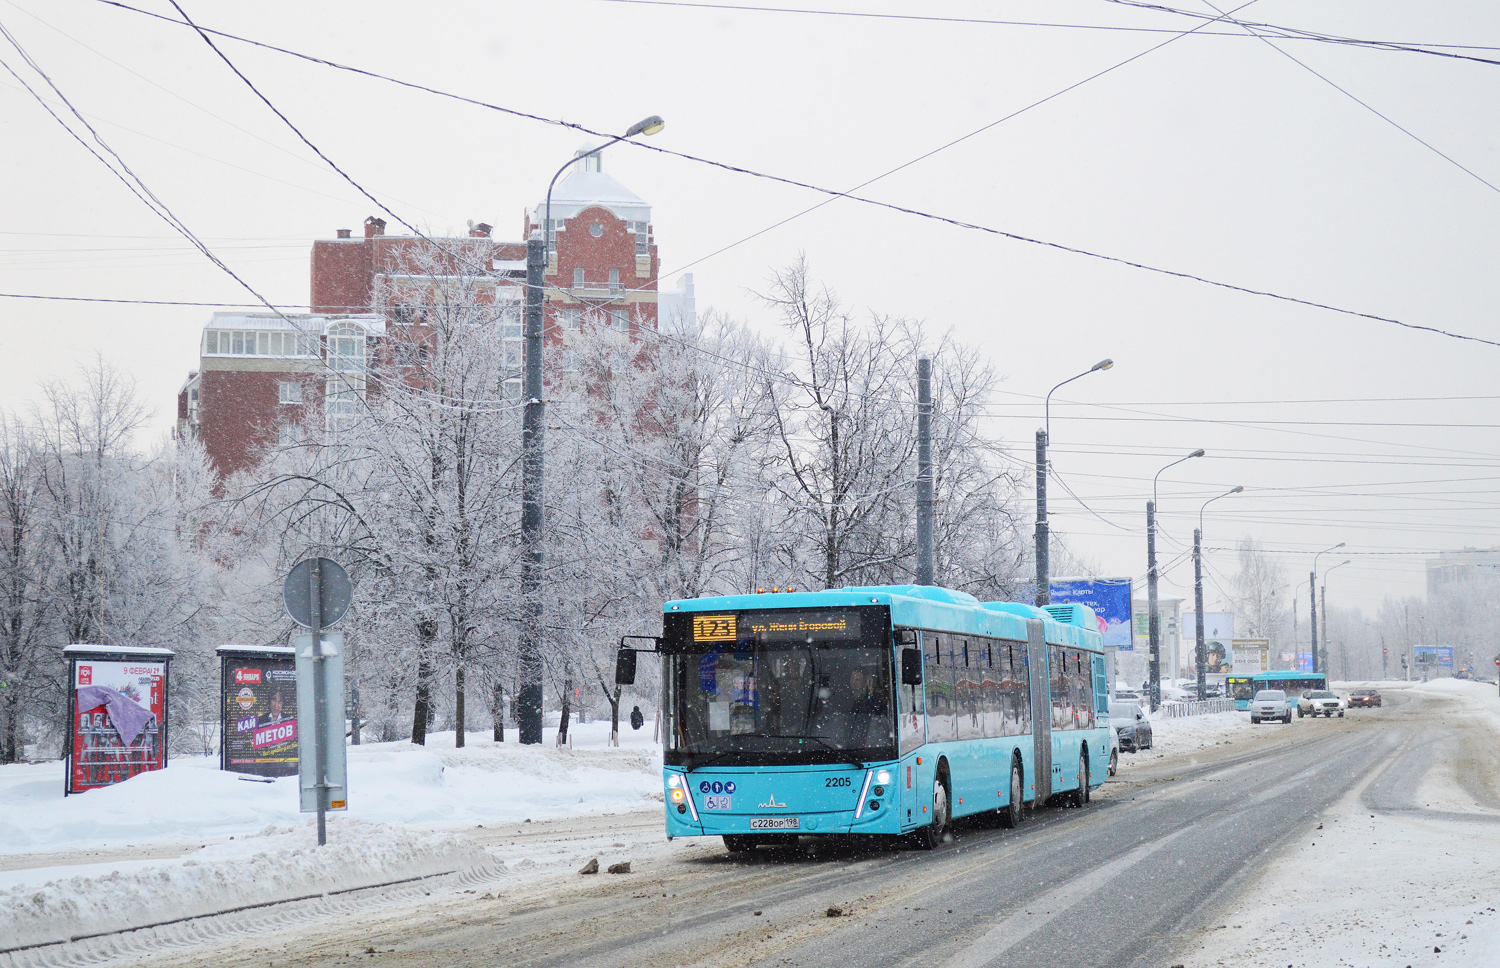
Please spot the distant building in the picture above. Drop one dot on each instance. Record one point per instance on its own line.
(264, 382)
(1470, 565)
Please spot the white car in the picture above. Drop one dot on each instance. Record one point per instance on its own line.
(1270, 704)
(1317, 702)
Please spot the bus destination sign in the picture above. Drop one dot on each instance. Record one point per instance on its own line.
(802, 625)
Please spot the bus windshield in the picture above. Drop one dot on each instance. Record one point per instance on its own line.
(1240, 688)
(786, 690)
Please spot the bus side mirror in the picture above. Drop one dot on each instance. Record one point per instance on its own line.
(625, 667)
(911, 667)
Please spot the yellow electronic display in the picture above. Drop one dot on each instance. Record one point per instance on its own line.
(713, 628)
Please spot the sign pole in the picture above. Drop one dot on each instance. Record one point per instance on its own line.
(320, 694)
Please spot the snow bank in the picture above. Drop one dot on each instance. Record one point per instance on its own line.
(192, 801)
(192, 839)
(274, 865)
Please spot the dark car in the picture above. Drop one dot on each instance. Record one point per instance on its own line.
(1130, 722)
(1364, 697)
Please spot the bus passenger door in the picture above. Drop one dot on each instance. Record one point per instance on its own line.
(1041, 708)
(911, 711)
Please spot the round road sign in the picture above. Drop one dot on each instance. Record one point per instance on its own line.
(335, 592)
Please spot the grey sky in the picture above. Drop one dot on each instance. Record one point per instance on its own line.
(1215, 155)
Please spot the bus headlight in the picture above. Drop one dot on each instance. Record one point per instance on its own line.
(883, 777)
(674, 781)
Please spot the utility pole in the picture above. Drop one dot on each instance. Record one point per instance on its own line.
(924, 472)
(1153, 619)
(1312, 592)
(1043, 536)
(1200, 651)
(528, 701)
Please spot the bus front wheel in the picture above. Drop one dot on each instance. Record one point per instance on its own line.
(739, 843)
(932, 834)
(1081, 795)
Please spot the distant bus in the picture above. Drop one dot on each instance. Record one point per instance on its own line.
(1243, 688)
(887, 710)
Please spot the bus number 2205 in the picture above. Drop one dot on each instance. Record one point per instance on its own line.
(838, 781)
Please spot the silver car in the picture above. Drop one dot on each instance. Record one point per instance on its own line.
(1270, 704)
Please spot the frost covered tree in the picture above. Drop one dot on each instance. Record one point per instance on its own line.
(841, 464)
(413, 487)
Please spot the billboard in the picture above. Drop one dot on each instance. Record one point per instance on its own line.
(1218, 639)
(1251, 656)
(118, 715)
(1438, 655)
(258, 689)
(1108, 597)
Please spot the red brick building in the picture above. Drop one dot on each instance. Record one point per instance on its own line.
(265, 382)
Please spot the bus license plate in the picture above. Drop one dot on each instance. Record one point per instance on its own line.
(775, 823)
(712, 802)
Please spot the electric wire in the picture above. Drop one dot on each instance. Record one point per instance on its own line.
(917, 213)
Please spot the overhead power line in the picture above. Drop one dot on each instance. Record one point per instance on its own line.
(888, 206)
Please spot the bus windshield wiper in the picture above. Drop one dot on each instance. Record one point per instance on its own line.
(708, 758)
(842, 754)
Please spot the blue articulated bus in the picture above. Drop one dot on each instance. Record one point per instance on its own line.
(886, 710)
(1243, 688)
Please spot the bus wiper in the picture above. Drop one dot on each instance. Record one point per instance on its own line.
(858, 765)
(708, 759)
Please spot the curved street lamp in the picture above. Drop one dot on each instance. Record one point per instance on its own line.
(528, 700)
(1200, 652)
(1312, 600)
(1324, 657)
(1043, 536)
(1153, 618)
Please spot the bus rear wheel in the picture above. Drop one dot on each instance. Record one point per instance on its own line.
(931, 835)
(1011, 813)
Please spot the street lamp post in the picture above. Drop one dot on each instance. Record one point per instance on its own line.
(1153, 619)
(528, 699)
(1043, 540)
(1323, 664)
(1200, 653)
(1312, 591)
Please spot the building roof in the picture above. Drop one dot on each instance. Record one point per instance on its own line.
(585, 189)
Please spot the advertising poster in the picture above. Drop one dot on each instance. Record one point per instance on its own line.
(1251, 656)
(260, 713)
(119, 713)
(1438, 655)
(1108, 597)
(1218, 640)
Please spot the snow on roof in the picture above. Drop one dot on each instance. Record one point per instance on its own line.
(257, 649)
(115, 650)
(584, 189)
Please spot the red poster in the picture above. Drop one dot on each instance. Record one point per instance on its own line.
(117, 723)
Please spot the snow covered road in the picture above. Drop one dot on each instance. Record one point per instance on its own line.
(1196, 854)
